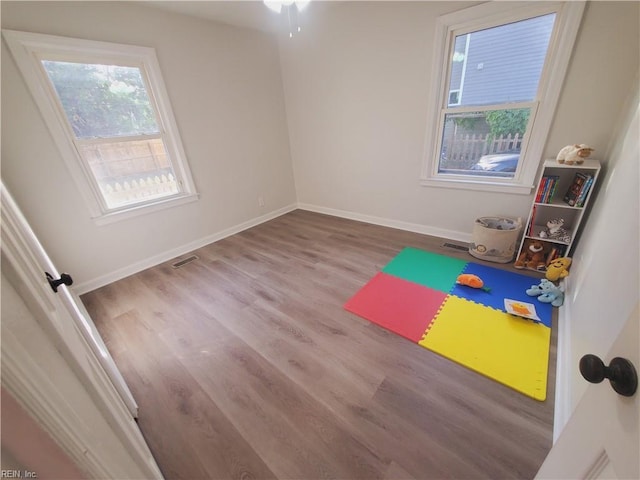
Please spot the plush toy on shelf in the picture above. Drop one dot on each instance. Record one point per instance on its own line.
(555, 231)
(547, 292)
(558, 269)
(574, 154)
(532, 256)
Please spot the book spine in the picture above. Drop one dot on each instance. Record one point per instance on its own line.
(553, 189)
(540, 189)
(545, 191)
(584, 192)
(551, 256)
(574, 190)
(532, 221)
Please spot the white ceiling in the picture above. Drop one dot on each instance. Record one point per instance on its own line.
(241, 13)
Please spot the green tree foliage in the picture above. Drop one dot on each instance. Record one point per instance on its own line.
(468, 123)
(103, 100)
(505, 122)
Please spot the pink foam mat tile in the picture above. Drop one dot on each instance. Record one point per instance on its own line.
(403, 307)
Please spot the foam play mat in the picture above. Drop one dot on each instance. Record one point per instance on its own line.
(416, 296)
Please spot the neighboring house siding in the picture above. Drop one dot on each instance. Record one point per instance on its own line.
(497, 81)
(457, 66)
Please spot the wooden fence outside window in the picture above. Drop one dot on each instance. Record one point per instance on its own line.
(464, 150)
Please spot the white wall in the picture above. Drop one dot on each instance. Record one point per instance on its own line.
(225, 87)
(356, 88)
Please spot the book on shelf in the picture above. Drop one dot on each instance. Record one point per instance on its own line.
(545, 191)
(546, 188)
(540, 189)
(556, 251)
(552, 190)
(532, 221)
(578, 187)
(584, 192)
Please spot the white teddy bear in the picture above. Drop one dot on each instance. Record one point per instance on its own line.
(574, 154)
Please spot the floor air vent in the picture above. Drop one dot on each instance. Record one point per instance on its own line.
(456, 247)
(183, 262)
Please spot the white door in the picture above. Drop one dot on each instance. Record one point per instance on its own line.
(38, 259)
(601, 438)
(53, 365)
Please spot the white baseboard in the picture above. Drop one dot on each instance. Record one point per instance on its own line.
(387, 222)
(111, 277)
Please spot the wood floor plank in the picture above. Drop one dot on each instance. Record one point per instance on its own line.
(190, 415)
(396, 472)
(280, 417)
(245, 365)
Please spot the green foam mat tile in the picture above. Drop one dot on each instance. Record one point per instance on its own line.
(425, 268)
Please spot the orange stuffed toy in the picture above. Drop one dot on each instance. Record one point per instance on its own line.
(532, 256)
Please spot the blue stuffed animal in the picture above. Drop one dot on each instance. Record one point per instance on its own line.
(547, 292)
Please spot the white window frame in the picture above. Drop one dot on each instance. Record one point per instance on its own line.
(28, 49)
(459, 92)
(488, 15)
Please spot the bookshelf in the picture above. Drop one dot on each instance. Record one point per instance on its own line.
(563, 191)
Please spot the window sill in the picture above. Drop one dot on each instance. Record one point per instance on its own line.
(145, 209)
(478, 185)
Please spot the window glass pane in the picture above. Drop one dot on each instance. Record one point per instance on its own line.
(102, 101)
(131, 172)
(501, 64)
(483, 143)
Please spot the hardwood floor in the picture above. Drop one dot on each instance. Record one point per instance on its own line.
(245, 365)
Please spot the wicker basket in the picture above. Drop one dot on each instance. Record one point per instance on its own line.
(495, 238)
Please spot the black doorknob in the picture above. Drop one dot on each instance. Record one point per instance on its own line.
(620, 372)
(65, 279)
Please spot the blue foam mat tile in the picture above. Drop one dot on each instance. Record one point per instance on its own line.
(503, 284)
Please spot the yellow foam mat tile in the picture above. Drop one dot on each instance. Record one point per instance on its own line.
(508, 349)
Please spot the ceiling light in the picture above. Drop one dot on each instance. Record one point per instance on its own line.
(291, 8)
(275, 6)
